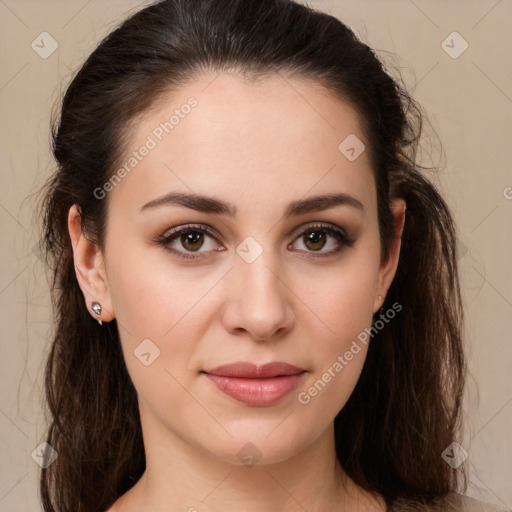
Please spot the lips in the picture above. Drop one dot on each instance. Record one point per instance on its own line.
(256, 385)
(252, 371)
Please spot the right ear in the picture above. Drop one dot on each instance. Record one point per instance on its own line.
(89, 268)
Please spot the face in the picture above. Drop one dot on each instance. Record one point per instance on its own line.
(257, 273)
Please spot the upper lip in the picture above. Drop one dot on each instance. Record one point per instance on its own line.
(252, 371)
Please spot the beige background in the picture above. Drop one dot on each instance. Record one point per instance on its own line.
(469, 103)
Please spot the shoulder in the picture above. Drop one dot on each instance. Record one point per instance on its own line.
(452, 502)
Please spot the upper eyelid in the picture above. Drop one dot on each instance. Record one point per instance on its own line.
(190, 227)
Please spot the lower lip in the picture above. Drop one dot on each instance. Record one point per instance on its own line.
(257, 392)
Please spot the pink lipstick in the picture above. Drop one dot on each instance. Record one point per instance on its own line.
(256, 385)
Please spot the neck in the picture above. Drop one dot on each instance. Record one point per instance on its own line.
(179, 476)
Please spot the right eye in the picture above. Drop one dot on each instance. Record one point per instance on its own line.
(191, 238)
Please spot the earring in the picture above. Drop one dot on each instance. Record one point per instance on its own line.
(380, 310)
(96, 307)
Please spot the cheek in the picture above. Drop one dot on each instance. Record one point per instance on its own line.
(343, 299)
(150, 296)
(144, 314)
(161, 310)
(339, 355)
(159, 331)
(344, 310)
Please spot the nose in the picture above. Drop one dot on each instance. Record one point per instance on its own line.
(259, 300)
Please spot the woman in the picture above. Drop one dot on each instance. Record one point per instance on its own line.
(256, 288)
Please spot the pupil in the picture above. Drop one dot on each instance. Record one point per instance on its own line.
(192, 237)
(316, 237)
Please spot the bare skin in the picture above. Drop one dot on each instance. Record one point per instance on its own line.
(259, 146)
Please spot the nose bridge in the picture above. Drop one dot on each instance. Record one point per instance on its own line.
(257, 267)
(262, 298)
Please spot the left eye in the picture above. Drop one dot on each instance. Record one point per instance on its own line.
(314, 237)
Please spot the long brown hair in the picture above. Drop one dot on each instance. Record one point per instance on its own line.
(406, 407)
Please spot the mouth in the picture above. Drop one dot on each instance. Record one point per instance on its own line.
(256, 385)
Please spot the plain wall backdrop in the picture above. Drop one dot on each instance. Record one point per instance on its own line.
(463, 81)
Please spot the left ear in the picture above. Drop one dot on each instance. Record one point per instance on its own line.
(388, 268)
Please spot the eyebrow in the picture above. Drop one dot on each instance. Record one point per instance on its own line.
(212, 205)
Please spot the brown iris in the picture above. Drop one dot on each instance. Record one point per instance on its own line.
(317, 238)
(192, 240)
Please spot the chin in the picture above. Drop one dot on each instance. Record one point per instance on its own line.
(257, 445)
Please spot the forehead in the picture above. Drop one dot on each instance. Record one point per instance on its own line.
(276, 136)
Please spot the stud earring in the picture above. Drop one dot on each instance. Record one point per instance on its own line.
(380, 310)
(96, 307)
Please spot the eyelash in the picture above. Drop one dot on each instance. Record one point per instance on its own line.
(340, 236)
